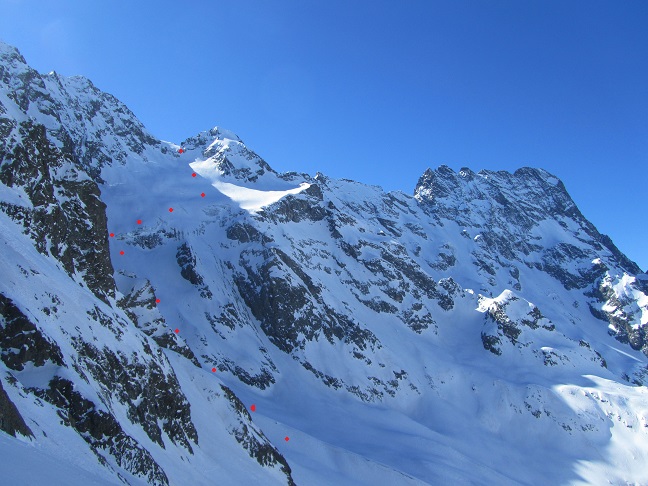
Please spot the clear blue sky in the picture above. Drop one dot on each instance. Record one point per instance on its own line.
(377, 90)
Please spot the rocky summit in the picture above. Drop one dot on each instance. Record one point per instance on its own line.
(184, 314)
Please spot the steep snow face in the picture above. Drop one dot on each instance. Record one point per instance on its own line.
(82, 364)
(472, 333)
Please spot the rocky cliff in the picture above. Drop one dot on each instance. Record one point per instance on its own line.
(182, 313)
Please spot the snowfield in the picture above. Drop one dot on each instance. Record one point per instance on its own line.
(478, 332)
(250, 199)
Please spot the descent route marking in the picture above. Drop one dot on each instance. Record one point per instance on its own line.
(157, 301)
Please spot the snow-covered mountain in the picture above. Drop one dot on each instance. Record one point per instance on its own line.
(184, 314)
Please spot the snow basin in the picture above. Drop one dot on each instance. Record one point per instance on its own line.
(254, 200)
(270, 189)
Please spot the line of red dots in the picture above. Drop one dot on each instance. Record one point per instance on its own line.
(139, 221)
(157, 301)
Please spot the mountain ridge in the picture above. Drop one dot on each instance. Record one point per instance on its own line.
(380, 333)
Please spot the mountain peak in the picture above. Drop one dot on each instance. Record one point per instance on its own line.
(158, 303)
(220, 156)
(205, 139)
(7, 51)
(224, 152)
(223, 134)
(443, 181)
(439, 182)
(92, 126)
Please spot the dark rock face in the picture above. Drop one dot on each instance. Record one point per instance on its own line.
(68, 219)
(275, 301)
(151, 395)
(307, 206)
(491, 343)
(101, 431)
(21, 342)
(138, 305)
(508, 328)
(557, 259)
(621, 312)
(244, 233)
(261, 380)
(187, 263)
(11, 421)
(253, 440)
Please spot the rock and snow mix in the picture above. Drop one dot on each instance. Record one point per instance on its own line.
(481, 331)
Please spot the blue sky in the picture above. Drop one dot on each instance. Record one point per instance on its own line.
(377, 90)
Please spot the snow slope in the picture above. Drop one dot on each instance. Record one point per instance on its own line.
(480, 331)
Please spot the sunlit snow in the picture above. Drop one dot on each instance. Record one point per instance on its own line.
(252, 199)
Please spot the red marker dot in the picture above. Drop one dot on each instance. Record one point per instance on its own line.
(286, 438)
(157, 301)
(213, 370)
(112, 235)
(121, 252)
(170, 210)
(253, 407)
(139, 221)
(193, 175)
(202, 194)
(180, 151)
(177, 331)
